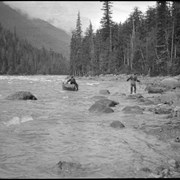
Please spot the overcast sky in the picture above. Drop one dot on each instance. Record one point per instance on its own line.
(63, 14)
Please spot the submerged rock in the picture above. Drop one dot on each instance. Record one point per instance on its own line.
(21, 95)
(155, 89)
(68, 166)
(100, 108)
(107, 102)
(133, 109)
(98, 97)
(104, 91)
(117, 124)
(146, 101)
(103, 106)
(68, 169)
(134, 96)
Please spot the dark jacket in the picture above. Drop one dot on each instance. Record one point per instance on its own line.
(133, 79)
(72, 81)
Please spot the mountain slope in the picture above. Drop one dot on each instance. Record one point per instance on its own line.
(38, 32)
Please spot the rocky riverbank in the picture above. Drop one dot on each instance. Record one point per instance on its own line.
(160, 100)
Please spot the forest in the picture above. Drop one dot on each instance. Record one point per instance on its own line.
(146, 43)
(19, 57)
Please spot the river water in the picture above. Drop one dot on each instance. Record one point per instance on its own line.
(36, 135)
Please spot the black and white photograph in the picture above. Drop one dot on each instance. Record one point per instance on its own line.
(89, 89)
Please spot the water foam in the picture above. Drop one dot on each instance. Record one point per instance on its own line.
(16, 120)
(91, 84)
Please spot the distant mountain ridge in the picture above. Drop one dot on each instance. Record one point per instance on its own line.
(38, 32)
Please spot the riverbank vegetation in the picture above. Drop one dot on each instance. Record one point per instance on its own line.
(146, 43)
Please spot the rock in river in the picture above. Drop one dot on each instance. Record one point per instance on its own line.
(21, 95)
(134, 96)
(100, 108)
(117, 124)
(69, 169)
(107, 102)
(104, 92)
(133, 109)
(154, 89)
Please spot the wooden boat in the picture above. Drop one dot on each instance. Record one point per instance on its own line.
(69, 87)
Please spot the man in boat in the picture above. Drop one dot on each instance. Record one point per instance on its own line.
(73, 81)
(133, 79)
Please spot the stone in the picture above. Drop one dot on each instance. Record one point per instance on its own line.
(146, 101)
(100, 108)
(133, 109)
(134, 96)
(21, 95)
(117, 124)
(68, 167)
(104, 92)
(154, 89)
(107, 102)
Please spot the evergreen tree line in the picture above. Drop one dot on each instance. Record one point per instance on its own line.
(146, 43)
(20, 57)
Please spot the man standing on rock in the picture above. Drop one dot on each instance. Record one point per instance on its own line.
(133, 79)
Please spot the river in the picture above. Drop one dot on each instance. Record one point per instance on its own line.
(36, 135)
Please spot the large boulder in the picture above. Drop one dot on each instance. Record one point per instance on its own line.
(104, 92)
(100, 108)
(155, 89)
(21, 95)
(170, 82)
(107, 102)
(117, 124)
(133, 109)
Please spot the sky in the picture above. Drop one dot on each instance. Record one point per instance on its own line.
(63, 14)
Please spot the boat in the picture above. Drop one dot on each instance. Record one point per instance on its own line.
(69, 87)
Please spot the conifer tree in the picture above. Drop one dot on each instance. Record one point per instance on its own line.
(161, 44)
